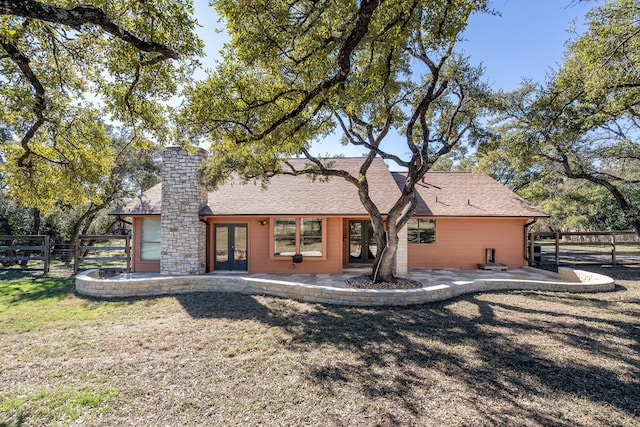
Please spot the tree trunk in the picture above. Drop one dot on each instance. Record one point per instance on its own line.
(35, 229)
(385, 262)
(622, 202)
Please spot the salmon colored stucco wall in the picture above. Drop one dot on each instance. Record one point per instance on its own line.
(461, 243)
(259, 250)
(137, 265)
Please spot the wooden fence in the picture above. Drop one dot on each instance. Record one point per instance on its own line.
(20, 250)
(602, 248)
(88, 253)
(95, 251)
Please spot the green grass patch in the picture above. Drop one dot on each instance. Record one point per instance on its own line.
(29, 302)
(49, 405)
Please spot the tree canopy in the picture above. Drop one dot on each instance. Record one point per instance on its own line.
(67, 71)
(295, 72)
(583, 124)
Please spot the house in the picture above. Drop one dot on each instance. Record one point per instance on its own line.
(300, 225)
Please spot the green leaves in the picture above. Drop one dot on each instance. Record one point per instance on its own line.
(583, 124)
(69, 160)
(68, 72)
(295, 72)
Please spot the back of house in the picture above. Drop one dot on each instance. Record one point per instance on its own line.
(296, 224)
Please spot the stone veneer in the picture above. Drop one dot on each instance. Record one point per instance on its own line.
(184, 193)
(402, 254)
(127, 285)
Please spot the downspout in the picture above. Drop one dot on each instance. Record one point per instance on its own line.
(206, 242)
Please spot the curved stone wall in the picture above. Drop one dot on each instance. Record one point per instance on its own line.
(89, 283)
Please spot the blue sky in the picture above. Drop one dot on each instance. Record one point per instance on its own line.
(525, 41)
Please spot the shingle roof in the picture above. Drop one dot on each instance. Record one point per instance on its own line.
(467, 194)
(288, 195)
(148, 203)
(440, 194)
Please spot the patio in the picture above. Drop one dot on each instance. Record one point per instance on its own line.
(438, 285)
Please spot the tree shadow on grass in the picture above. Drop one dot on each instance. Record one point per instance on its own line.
(512, 358)
(223, 305)
(415, 344)
(406, 355)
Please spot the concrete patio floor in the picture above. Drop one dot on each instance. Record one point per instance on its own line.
(428, 277)
(438, 284)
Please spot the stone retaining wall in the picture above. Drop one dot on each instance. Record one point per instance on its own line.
(88, 283)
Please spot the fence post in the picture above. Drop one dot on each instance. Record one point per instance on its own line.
(46, 254)
(613, 249)
(128, 252)
(76, 255)
(557, 249)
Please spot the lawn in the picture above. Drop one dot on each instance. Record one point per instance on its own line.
(504, 358)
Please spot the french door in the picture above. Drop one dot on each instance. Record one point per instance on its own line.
(362, 243)
(230, 241)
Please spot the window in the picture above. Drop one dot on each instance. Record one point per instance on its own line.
(311, 236)
(150, 239)
(297, 236)
(421, 231)
(284, 237)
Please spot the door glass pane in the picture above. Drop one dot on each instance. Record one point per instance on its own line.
(222, 244)
(372, 245)
(355, 241)
(240, 243)
(373, 248)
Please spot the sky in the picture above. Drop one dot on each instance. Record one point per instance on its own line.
(526, 40)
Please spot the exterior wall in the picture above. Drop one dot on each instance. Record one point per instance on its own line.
(183, 238)
(461, 243)
(260, 247)
(137, 264)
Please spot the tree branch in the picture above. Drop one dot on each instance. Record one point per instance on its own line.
(361, 27)
(80, 16)
(39, 105)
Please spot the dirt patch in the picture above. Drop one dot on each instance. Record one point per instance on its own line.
(364, 282)
(107, 273)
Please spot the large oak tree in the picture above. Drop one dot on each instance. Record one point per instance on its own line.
(584, 123)
(384, 74)
(67, 70)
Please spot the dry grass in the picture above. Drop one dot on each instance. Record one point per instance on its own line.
(510, 358)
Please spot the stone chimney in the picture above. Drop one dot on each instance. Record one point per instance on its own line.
(184, 193)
